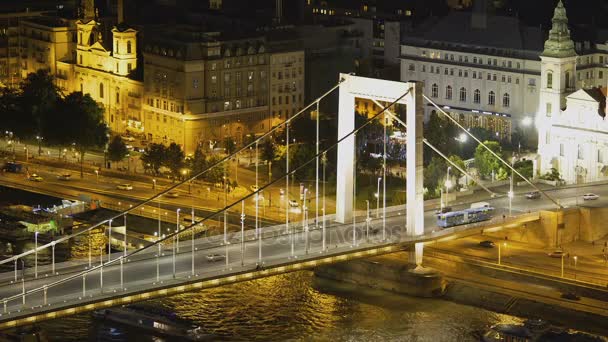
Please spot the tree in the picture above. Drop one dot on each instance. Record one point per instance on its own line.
(154, 157)
(10, 111)
(174, 159)
(117, 149)
(434, 175)
(214, 174)
(485, 162)
(39, 98)
(460, 163)
(440, 132)
(82, 120)
(268, 150)
(198, 162)
(229, 145)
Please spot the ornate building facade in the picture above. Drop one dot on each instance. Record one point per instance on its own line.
(572, 127)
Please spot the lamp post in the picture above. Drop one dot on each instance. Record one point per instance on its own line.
(39, 138)
(448, 185)
(575, 260)
(109, 240)
(97, 176)
(377, 194)
(36, 255)
(499, 252)
(177, 227)
(305, 213)
(367, 220)
(153, 184)
(563, 264)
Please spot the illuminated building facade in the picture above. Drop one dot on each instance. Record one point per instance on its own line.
(202, 87)
(571, 121)
(286, 84)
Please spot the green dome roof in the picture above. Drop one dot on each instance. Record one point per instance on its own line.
(559, 43)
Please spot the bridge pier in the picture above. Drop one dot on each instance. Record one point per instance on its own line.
(415, 178)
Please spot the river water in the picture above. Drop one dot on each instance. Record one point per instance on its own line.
(300, 306)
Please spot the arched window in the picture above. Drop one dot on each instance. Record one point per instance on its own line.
(448, 92)
(491, 98)
(128, 46)
(101, 90)
(506, 100)
(463, 95)
(477, 96)
(550, 80)
(434, 90)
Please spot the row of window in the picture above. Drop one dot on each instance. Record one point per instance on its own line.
(169, 106)
(465, 73)
(506, 98)
(279, 99)
(287, 74)
(476, 60)
(580, 152)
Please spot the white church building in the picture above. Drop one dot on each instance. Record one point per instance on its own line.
(571, 123)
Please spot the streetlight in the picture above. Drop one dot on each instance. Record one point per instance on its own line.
(177, 227)
(153, 184)
(97, 176)
(448, 185)
(39, 138)
(463, 137)
(377, 194)
(36, 255)
(575, 260)
(499, 252)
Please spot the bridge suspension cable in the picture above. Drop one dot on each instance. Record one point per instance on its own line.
(171, 236)
(171, 188)
(492, 152)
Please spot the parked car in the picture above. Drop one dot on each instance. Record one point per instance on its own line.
(215, 257)
(487, 244)
(556, 254)
(443, 210)
(570, 296)
(533, 195)
(64, 176)
(173, 194)
(125, 186)
(254, 188)
(36, 178)
(13, 167)
(127, 138)
(478, 205)
(294, 203)
(590, 197)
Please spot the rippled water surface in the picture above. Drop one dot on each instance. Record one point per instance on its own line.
(299, 306)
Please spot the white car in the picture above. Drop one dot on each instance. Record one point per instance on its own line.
(215, 257)
(254, 188)
(590, 196)
(172, 194)
(294, 203)
(124, 187)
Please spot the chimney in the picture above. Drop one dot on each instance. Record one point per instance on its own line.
(120, 12)
(479, 18)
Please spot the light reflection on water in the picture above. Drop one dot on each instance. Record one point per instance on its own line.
(299, 306)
